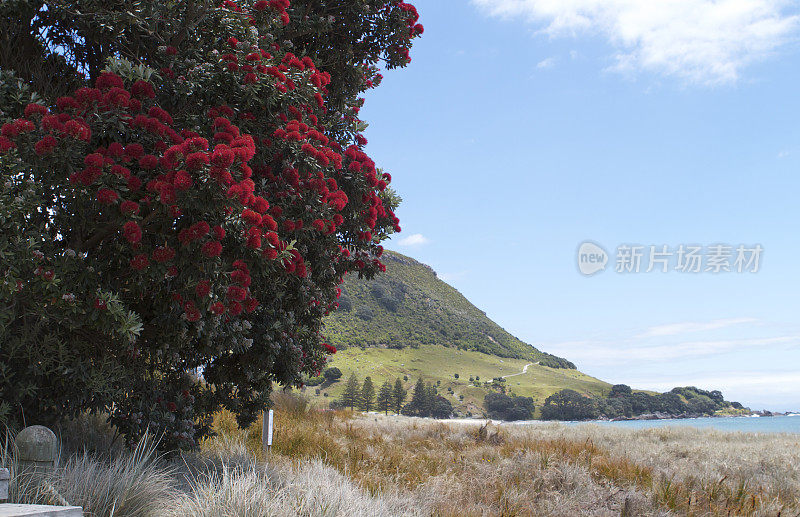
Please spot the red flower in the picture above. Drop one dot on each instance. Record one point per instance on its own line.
(163, 254)
(48, 275)
(172, 407)
(109, 80)
(107, 196)
(129, 207)
(235, 308)
(241, 277)
(196, 160)
(140, 262)
(250, 304)
(203, 288)
(6, 145)
(260, 204)
(148, 162)
(100, 304)
(143, 89)
(237, 293)
(217, 308)
(251, 218)
(182, 181)
(34, 109)
(134, 151)
(330, 348)
(219, 232)
(94, 160)
(45, 145)
(132, 232)
(212, 249)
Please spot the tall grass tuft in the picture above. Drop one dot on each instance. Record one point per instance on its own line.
(310, 489)
(131, 484)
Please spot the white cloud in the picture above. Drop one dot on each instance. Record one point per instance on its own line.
(451, 277)
(674, 329)
(698, 41)
(633, 351)
(546, 63)
(415, 239)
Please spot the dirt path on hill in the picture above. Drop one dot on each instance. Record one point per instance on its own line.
(524, 369)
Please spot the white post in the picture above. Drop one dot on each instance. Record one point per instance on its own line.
(266, 431)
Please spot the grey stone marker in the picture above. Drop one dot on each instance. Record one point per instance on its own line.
(4, 477)
(36, 510)
(36, 449)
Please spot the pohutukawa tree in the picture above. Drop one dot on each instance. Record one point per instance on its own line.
(184, 185)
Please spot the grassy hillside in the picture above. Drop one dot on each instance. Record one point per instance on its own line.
(408, 306)
(438, 363)
(408, 324)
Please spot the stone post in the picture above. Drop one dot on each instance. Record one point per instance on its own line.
(4, 478)
(36, 448)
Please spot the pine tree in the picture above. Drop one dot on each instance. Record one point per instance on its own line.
(418, 398)
(367, 395)
(351, 396)
(398, 396)
(385, 397)
(430, 399)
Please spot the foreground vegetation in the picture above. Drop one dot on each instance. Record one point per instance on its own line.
(341, 463)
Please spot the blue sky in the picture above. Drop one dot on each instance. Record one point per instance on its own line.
(523, 128)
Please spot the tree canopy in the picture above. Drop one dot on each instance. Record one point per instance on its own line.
(184, 186)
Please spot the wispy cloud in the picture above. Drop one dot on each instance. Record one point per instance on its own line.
(632, 351)
(674, 329)
(452, 276)
(698, 41)
(415, 239)
(546, 63)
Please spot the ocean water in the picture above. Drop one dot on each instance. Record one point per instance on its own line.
(764, 424)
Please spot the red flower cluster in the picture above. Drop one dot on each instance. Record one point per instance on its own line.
(107, 196)
(163, 254)
(132, 232)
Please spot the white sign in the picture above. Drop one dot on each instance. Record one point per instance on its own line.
(269, 429)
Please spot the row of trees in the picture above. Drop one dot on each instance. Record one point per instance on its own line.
(425, 399)
(622, 402)
(390, 397)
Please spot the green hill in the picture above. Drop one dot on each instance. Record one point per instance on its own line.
(407, 324)
(408, 306)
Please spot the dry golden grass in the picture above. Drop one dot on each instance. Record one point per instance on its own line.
(326, 464)
(451, 469)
